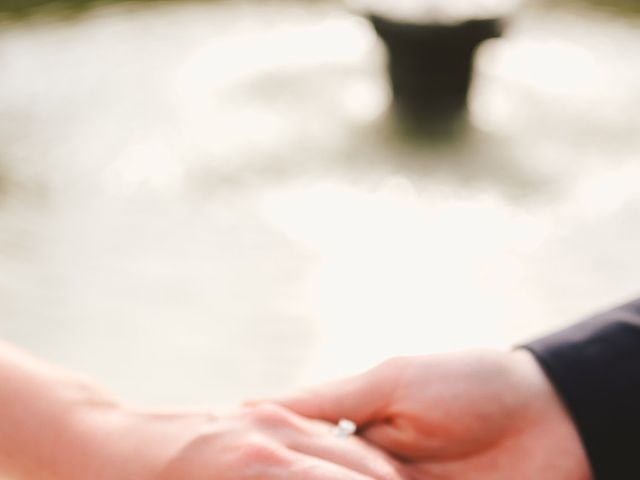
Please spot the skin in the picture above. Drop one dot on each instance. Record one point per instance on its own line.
(57, 426)
(486, 415)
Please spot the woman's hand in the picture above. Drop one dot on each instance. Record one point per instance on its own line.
(57, 426)
(484, 415)
(254, 443)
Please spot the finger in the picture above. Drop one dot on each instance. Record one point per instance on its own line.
(361, 398)
(352, 453)
(318, 438)
(391, 439)
(306, 467)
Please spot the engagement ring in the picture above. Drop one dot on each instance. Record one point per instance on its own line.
(345, 428)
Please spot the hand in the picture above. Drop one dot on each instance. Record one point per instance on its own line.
(260, 443)
(483, 415)
(55, 425)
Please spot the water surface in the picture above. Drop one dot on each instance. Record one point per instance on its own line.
(201, 203)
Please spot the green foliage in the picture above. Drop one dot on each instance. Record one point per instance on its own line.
(632, 6)
(18, 9)
(623, 7)
(25, 8)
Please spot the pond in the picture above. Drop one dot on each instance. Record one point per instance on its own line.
(203, 202)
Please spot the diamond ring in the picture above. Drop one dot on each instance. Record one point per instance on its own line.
(345, 428)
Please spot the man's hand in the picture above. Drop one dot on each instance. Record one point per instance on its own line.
(483, 415)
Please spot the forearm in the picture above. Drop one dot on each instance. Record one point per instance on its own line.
(48, 418)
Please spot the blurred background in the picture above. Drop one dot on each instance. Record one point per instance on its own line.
(206, 201)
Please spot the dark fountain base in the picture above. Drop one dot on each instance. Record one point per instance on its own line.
(431, 65)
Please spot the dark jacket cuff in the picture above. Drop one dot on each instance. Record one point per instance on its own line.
(595, 366)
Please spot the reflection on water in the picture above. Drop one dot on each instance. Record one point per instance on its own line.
(205, 202)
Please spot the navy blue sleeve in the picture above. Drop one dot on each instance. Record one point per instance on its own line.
(595, 366)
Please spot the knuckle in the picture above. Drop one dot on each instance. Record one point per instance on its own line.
(258, 452)
(269, 415)
(395, 363)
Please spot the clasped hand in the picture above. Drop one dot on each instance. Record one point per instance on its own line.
(483, 415)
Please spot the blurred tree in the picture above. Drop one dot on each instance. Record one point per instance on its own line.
(619, 6)
(24, 8)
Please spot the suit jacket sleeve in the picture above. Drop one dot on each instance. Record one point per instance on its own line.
(595, 366)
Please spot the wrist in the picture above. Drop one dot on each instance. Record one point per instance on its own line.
(548, 413)
(75, 421)
(119, 442)
(44, 416)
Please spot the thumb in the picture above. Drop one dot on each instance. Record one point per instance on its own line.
(392, 438)
(362, 398)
